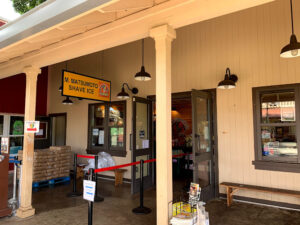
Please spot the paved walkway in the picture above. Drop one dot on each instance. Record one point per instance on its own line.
(54, 208)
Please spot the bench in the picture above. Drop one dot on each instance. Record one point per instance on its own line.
(119, 173)
(231, 188)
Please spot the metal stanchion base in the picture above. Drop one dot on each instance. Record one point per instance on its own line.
(98, 199)
(74, 194)
(141, 210)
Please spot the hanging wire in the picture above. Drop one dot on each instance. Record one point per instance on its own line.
(142, 52)
(292, 17)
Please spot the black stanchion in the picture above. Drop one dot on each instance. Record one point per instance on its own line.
(90, 203)
(141, 209)
(75, 193)
(97, 198)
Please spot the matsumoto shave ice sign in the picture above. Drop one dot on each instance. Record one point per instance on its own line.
(81, 86)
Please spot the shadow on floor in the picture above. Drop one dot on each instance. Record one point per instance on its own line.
(54, 208)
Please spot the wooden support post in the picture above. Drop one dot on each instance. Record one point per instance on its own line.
(163, 36)
(26, 209)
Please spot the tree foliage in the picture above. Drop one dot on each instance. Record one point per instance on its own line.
(23, 6)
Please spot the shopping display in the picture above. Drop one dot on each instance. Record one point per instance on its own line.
(191, 212)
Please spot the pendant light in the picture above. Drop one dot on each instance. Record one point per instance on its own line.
(123, 94)
(293, 48)
(142, 75)
(67, 101)
(229, 81)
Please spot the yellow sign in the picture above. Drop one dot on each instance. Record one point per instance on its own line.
(81, 86)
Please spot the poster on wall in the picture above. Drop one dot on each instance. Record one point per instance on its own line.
(42, 133)
(32, 126)
(85, 87)
(288, 114)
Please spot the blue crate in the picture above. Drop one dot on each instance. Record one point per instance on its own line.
(50, 182)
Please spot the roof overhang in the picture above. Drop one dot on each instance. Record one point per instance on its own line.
(109, 24)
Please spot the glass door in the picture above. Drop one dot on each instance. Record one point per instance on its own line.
(142, 142)
(203, 154)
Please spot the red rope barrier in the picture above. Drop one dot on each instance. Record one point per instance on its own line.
(115, 167)
(86, 156)
(130, 164)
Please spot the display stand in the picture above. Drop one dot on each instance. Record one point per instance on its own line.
(4, 210)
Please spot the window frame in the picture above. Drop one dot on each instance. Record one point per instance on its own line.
(262, 162)
(114, 151)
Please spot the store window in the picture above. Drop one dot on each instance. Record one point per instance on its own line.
(107, 128)
(277, 128)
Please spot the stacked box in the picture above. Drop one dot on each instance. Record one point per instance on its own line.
(50, 163)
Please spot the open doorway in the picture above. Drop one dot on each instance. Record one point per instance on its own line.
(58, 129)
(194, 132)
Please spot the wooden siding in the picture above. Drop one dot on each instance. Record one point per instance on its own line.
(249, 42)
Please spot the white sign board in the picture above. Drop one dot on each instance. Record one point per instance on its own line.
(89, 188)
(32, 126)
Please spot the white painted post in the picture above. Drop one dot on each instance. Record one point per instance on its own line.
(26, 209)
(163, 36)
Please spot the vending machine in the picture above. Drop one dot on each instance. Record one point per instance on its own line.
(4, 161)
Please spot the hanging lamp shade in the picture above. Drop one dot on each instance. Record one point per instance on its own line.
(67, 101)
(142, 75)
(229, 81)
(123, 94)
(292, 49)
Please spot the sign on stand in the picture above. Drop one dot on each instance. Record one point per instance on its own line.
(89, 188)
(32, 126)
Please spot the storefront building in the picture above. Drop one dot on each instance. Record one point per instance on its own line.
(255, 124)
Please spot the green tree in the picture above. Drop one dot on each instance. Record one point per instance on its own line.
(23, 6)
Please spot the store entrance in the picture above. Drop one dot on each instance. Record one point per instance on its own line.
(193, 134)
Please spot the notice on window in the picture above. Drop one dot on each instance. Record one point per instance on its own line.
(89, 188)
(288, 114)
(101, 137)
(4, 145)
(95, 132)
(32, 126)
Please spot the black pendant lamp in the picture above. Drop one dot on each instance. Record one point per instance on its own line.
(293, 48)
(123, 94)
(67, 101)
(142, 75)
(229, 81)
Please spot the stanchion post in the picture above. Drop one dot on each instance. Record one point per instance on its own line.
(75, 193)
(141, 209)
(97, 198)
(90, 203)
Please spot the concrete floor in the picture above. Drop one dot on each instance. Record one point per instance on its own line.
(54, 208)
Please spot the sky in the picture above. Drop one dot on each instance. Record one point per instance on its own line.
(7, 11)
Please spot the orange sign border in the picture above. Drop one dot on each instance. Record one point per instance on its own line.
(62, 80)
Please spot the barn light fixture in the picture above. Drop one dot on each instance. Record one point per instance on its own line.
(293, 48)
(123, 94)
(67, 101)
(142, 75)
(229, 81)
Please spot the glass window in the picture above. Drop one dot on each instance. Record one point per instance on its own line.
(1, 124)
(275, 129)
(107, 127)
(16, 125)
